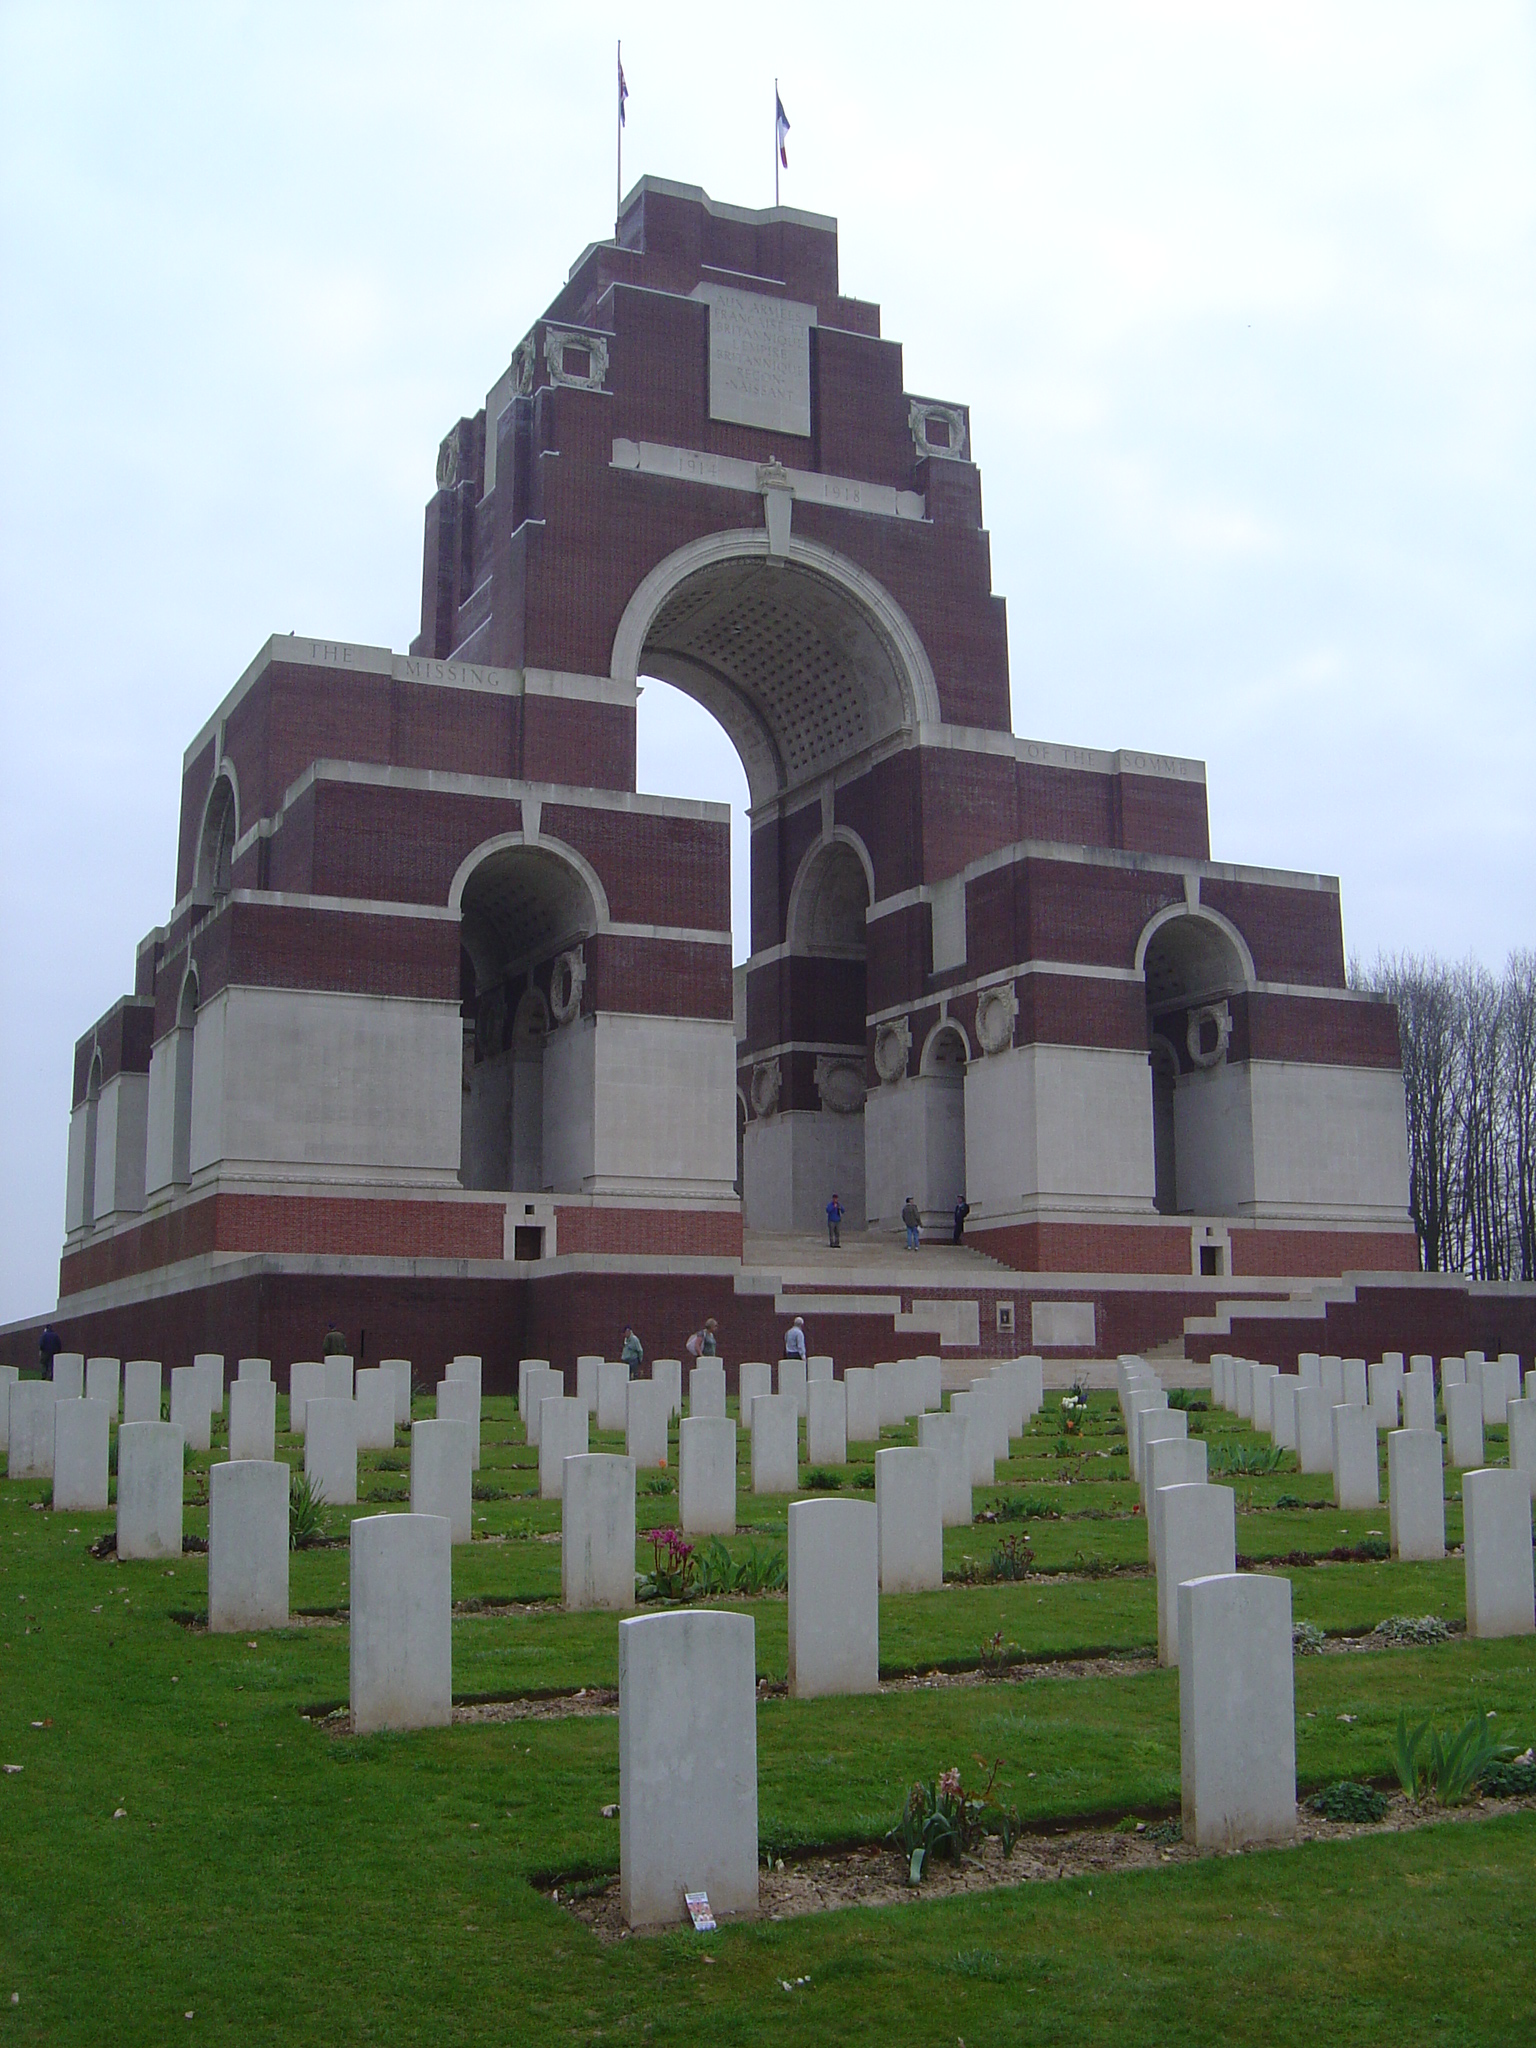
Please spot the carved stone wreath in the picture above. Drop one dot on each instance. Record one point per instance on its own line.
(919, 412)
(840, 1084)
(996, 1011)
(893, 1049)
(1218, 1015)
(448, 461)
(557, 340)
(767, 1079)
(566, 982)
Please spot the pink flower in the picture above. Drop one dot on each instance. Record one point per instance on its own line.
(949, 1784)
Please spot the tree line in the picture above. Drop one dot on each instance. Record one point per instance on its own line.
(1468, 1040)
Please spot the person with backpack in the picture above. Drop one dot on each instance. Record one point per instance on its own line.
(702, 1343)
(912, 1216)
(631, 1351)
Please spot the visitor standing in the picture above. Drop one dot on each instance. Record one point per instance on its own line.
(912, 1216)
(962, 1210)
(794, 1339)
(631, 1351)
(48, 1348)
(835, 1223)
(335, 1345)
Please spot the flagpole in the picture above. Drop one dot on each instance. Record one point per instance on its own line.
(775, 143)
(618, 154)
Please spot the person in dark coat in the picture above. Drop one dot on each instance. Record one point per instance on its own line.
(962, 1210)
(835, 1223)
(49, 1345)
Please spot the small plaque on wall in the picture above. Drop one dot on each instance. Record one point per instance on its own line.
(759, 359)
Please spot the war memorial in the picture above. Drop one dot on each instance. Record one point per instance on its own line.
(1089, 1631)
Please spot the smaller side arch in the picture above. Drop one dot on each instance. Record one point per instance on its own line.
(542, 844)
(1202, 914)
(930, 1060)
(812, 873)
(216, 840)
(88, 1164)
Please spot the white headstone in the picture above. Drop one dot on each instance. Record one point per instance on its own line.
(1159, 1426)
(819, 1366)
(668, 1373)
(1243, 1384)
(102, 1379)
(612, 1394)
(927, 1383)
(401, 1622)
(1282, 1410)
(211, 1365)
(563, 1421)
(1264, 1378)
(775, 1447)
(1501, 1595)
(330, 1449)
(464, 1365)
(30, 1429)
(908, 1499)
(792, 1380)
(1309, 1369)
(1174, 1461)
(81, 1441)
(1385, 1387)
(1314, 1430)
(1522, 1438)
(1333, 1380)
(1453, 1373)
(1237, 1711)
(1416, 1494)
(1419, 1399)
(247, 1543)
(306, 1382)
(687, 1761)
(1009, 1377)
(254, 1369)
(150, 1462)
(68, 1375)
(1196, 1537)
(1356, 1473)
(459, 1401)
(189, 1405)
(442, 1479)
(587, 1370)
(1464, 1426)
(338, 1377)
(142, 1389)
(949, 1436)
(541, 1382)
(528, 1365)
(754, 1376)
(374, 1400)
(9, 1375)
(978, 1437)
(706, 1390)
(253, 1421)
(1501, 1385)
(994, 1405)
(834, 1596)
(645, 1424)
(863, 1404)
(399, 1370)
(597, 1531)
(1355, 1394)
(706, 1473)
(826, 1424)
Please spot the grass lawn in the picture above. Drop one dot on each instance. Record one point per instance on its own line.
(277, 1881)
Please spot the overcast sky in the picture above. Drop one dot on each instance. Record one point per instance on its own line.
(1241, 299)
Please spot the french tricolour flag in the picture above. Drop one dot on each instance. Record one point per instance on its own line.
(780, 129)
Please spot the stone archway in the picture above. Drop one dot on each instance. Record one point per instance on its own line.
(1202, 1116)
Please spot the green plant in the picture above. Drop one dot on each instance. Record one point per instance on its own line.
(996, 1656)
(819, 1480)
(1410, 1628)
(672, 1573)
(940, 1818)
(864, 1478)
(1307, 1639)
(765, 1572)
(655, 1483)
(1189, 1400)
(1348, 1801)
(1026, 1507)
(1513, 1780)
(1250, 1460)
(1289, 1500)
(306, 1519)
(1444, 1768)
(1012, 1559)
(482, 1489)
(1166, 1832)
(390, 1462)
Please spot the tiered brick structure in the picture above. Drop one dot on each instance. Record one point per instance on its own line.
(444, 1004)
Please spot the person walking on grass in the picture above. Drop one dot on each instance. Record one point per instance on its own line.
(835, 1223)
(912, 1216)
(794, 1339)
(631, 1351)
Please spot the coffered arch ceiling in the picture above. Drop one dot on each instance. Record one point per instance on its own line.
(804, 661)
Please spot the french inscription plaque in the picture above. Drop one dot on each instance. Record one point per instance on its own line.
(759, 359)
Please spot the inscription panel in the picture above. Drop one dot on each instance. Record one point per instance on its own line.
(759, 359)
